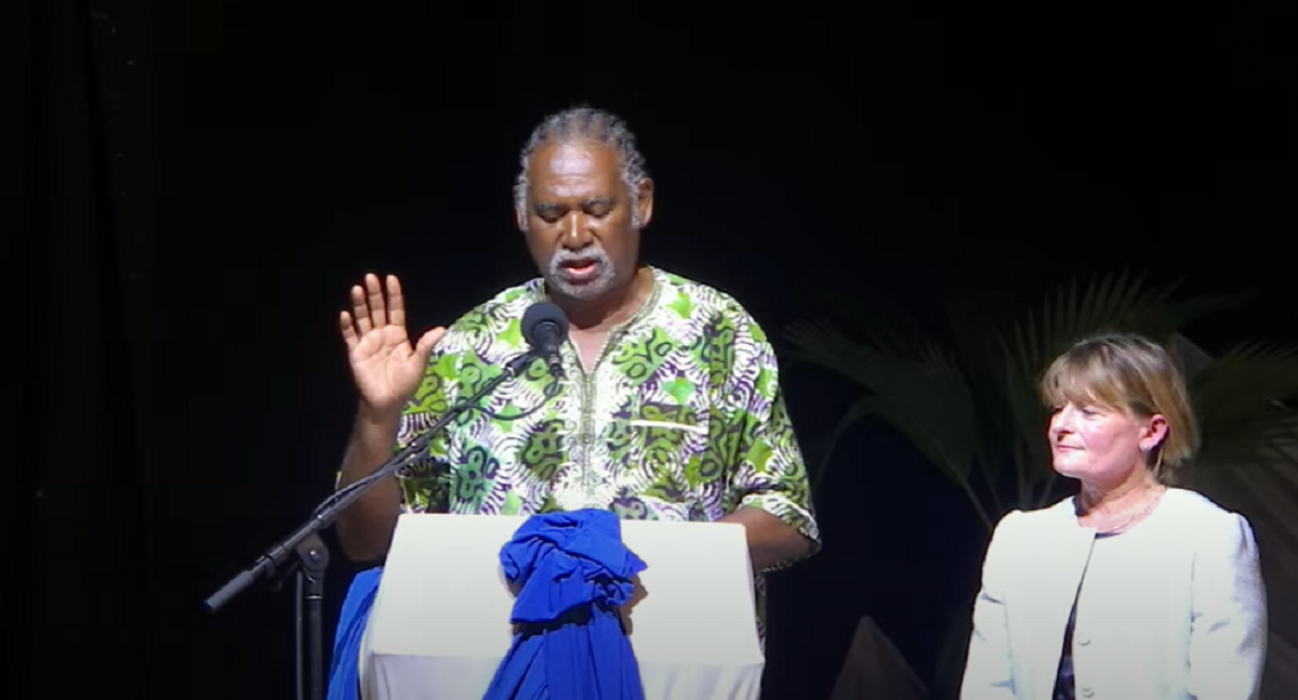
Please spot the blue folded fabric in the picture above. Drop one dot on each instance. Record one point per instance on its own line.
(574, 572)
(344, 671)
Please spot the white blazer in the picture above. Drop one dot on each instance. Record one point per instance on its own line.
(1173, 608)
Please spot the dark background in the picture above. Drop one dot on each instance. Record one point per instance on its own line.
(197, 185)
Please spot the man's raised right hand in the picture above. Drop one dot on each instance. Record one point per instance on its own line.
(387, 370)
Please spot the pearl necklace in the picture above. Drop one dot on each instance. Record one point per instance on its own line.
(1149, 507)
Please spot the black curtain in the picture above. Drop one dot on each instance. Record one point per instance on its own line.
(85, 279)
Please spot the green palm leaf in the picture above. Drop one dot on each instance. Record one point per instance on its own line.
(918, 390)
(820, 451)
(1240, 400)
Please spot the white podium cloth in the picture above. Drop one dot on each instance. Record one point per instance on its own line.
(440, 622)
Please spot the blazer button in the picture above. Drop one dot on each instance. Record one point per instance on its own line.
(1087, 691)
(1083, 640)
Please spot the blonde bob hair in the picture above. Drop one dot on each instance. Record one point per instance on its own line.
(1129, 373)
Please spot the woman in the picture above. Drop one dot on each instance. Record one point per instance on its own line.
(1132, 589)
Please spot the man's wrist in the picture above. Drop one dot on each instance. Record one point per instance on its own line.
(369, 417)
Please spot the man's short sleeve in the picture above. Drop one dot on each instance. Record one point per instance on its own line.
(767, 469)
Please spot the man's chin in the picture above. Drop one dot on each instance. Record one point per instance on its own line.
(584, 290)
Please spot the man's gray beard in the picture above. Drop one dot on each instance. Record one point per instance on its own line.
(604, 274)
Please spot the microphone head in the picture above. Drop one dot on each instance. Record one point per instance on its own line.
(541, 314)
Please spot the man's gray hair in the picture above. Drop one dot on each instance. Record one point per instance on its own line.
(585, 123)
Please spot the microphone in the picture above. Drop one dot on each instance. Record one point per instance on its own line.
(546, 327)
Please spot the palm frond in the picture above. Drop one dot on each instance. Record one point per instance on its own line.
(819, 452)
(1239, 398)
(924, 397)
(1025, 412)
(973, 323)
(1172, 316)
(1120, 301)
(887, 326)
(821, 343)
(1282, 448)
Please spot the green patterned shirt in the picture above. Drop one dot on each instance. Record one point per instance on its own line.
(681, 418)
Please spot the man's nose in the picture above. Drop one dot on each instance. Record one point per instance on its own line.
(576, 233)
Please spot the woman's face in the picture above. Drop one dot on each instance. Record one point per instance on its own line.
(1101, 445)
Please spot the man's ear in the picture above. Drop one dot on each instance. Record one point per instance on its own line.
(520, 208)
(646, 192)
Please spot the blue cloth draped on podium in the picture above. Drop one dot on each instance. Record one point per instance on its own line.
(344, 669)
(572, 573)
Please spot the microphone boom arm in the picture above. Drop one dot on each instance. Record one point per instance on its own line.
(328, 511)
(312, 557)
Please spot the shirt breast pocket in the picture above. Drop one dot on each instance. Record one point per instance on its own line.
(662, 438)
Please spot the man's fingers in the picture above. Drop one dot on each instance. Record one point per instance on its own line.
(360, 311)
(378, 310)
(396, 303)
(428, 340)
(350, 336)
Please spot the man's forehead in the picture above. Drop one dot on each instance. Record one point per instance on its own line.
(571, 158)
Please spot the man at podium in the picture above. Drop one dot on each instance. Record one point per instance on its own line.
(668, 406)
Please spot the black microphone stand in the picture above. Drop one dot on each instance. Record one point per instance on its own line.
(311, 557)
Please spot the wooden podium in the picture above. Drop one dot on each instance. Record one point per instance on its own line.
(440, 622)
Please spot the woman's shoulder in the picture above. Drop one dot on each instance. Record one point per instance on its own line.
(1195, 511)
(1020, 520)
